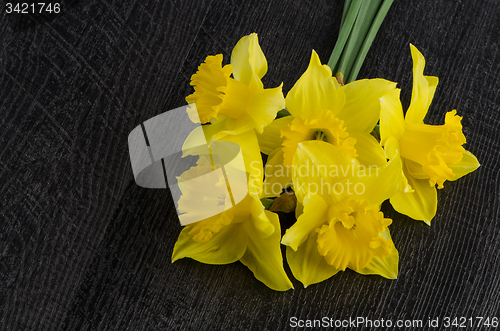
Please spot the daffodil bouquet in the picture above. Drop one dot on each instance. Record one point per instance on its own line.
(334, 152)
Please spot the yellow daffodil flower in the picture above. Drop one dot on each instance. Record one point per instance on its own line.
(244, 232)
(341, 225)
(322, 109)
(431, 154)
(240, 102)
(235, 107)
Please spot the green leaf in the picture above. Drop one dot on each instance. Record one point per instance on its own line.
(282, 113)
(267, 203)
(376, 132)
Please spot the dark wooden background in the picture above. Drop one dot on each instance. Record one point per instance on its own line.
(83, 248)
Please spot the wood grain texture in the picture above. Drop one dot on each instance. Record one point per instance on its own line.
(83, 248)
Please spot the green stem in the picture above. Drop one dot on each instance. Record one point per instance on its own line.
(366, 24)
(347, 58)
(361, 20)
(347, 4)
(375, 26)
(345, 30)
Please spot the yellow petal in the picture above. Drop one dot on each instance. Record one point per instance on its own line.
(376, 184)
(369, 151)
(468, 164)
(317, 167)
(271, 138)
(248, 60)
(253, 238)
(386, 267)
(362, 105)
(391, 116)
(277, 176)
(315, 90)
(307, 265)
(315, 215)
(423, 89)
(224, 247)
(265, 106)
(391, 150)
(258, 105)
(250, 148)
(419, 204)
(203, 134)
(205, 195)
(263, 255)
(299, 210)
(321, 153)
(247, 143)
(195, 142)
(259, 218)
(252, 159)
(416, 170)
(234, 126)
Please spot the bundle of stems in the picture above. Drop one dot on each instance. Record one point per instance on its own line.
(361, 20)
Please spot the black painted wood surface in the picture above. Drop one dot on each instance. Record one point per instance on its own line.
(83, 248)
